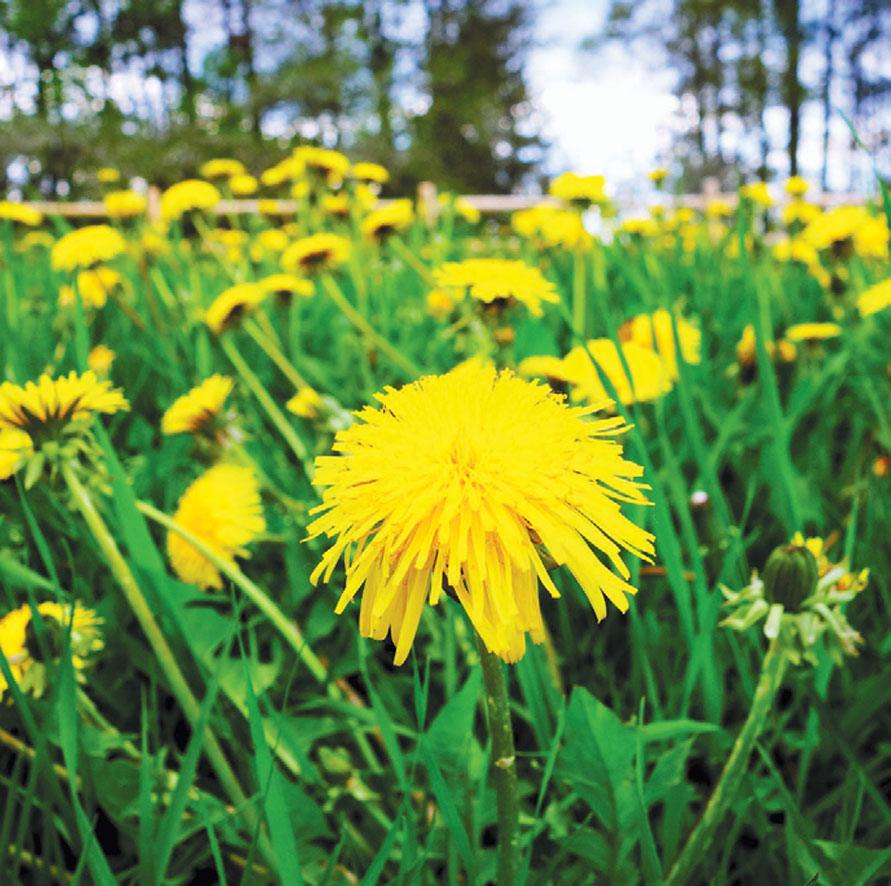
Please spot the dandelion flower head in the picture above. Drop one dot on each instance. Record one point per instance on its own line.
(232, 304)
(875, 299)
(187, 196)
(461, 481)
(223, 509)
(318, 252)
(86, 247)
(124, 204)
(191, 413)
(493, 279)
(395, 216)
(222, 167)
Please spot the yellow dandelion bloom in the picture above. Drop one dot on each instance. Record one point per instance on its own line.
(35, 240)
(284, 286)
(45, 405)
(13, 634)
(232, 304)
(108, 175)
(458, 481)
(19, 213)
(799, 212)
(85, 247)
(796, 186)
(124, 204)
(331, 164)
(492, 279)
(551, 226)
(100, 358)
(812, 331)
(222, 167)
(373, 173)
(85, 625)
(15, 449)
(272, 207)
(871, 238)
(649, 378)
(654, 331)
(306, 403)
(875, 299)
(757, 193)
(319, 252)
(746, 349)
(187, 196)
(718, 209)
(337, 205)
(836, 226)
(579, 188)
(192, 412)
(395, 216)
(658, 175)
(440, 303)
(243, 185)
(269, 242)
(639, 227)
(94, 287)
(222, 508)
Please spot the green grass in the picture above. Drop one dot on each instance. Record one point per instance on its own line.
(355, 770)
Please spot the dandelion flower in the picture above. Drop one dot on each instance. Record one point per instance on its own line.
(232, 304)
(796, 186)
(86, 247)
(243, 185)
(440, 303)
(319, 252)
(100, 358)
(15, 449)
(94, 287)
(306, 403)
(757, 193)
(462, 480)
(86, 628)
(19, 213)
(654, 331)
(331, 164)
(13, 634)
(108, 175)
(223, 509)
(373, 173)
(222, 167)
(124, 204)
(43, 407)
(875, 299)
(494, 279)
(285, 286)
(658, 175)
(580, 189)
(187, 196)
(337, 205)
(812, 331)
(395, 216)
(192, 412)
(35, 240)
(551, 226)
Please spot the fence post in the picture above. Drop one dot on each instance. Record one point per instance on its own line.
(153, 208)
(428, 202)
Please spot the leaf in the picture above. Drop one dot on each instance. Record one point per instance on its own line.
(451, 731)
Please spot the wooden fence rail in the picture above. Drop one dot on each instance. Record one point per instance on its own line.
(427, 199)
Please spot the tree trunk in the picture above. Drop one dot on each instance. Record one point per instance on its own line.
(789, 13)
(828, 73)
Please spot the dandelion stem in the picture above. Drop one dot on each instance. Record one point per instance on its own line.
(772, 670)
(272, 350)
(161, 648)
(504, 756)
(334, 293)
(276, 416)
(579, 292)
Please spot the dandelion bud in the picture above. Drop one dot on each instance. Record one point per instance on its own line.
(790, 576)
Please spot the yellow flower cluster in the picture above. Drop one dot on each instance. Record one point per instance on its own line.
(86, 247)
(191, 195)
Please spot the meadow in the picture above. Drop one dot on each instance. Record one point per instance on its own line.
(675, 435)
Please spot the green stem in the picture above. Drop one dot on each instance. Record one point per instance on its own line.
(396, 356)
(504, 756)
(579, 293)
(276, 416)
(272, 350)
(772, 669)
(161, 648)
(411, 260)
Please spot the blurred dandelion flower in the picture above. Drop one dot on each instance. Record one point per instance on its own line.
(306, 403)
(551, 226)
(757, 193)
(372, 173)
(107, 175)
(222, 167)
(86, 247)
(15, 449)
(800, 332)
(243, 185)
(94, 287)
(497, 279)
(389, 219)
(17, 212)
(100, 358)
(654, 331)
(286, 286)
(796, 186)
(331, 164)
(462, 481)
(222, 508)
(13, 634)
(232, 304)
(187, 196)
(579, 189)
(658, 175)
(194, 411)
(124, 204)
(875, 299)
(318, 252)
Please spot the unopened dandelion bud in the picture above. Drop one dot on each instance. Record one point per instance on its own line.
(790, 576)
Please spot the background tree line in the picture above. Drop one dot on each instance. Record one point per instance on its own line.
(431, 88)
